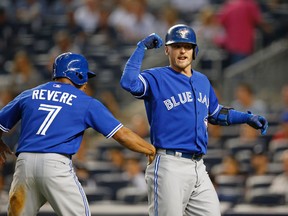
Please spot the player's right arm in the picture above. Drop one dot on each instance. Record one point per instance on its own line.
(4, 149)
(130, 80)
(102, 120)
(132, 141)
(9, 116)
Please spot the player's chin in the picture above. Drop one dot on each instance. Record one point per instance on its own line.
(183, 64)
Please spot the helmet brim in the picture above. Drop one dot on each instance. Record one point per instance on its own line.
(175, 42)
(91, 74)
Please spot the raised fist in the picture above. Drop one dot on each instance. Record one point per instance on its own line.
(152, 41)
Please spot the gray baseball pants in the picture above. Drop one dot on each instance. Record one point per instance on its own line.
(179, 186)
(39, 178)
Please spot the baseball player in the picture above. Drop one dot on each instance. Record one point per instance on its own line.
(53, 118)
(179, 103)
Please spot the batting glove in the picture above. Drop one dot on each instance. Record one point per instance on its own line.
(151, 41)
(258, 122)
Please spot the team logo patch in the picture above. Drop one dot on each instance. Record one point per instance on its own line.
(183, 33)
(57, 86)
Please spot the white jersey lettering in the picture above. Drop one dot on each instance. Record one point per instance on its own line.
(175, 104)
(57, 96)
(35, 94)
(182, 98)
(41, 94)
(50, 94)
(168, 104)
(189, 97)
(71, 97)
(64, 97)
(203, 100)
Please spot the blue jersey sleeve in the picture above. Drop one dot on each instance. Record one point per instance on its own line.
(10, 114)
(214, 106)
(152, 80)
(130, 80)
(101, 119)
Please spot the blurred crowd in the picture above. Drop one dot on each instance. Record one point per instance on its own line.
(34, 32)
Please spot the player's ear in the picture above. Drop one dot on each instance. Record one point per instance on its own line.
(83, 87)
(166, 50)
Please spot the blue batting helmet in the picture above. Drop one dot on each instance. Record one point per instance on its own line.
(182, 34)
(72, 66)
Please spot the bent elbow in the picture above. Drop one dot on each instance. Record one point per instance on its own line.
(125, 85)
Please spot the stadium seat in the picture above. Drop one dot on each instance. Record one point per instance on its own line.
(114, 181)
(230, 188)
(230, 181)
(262, 181)
(231, 195)
(261, 196)
(131, 195)
(214, 157)
(98, 194)
(276, 146)
(100, 167)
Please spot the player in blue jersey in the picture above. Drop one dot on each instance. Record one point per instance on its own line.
(180, 102)
(53, 118)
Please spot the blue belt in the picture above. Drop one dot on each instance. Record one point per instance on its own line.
(192, 156)
(67, 155)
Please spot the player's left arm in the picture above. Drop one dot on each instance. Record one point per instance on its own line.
(228, 116)
(130, 80)
(224, 116)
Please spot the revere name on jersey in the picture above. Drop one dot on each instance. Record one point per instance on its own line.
(57, 96)
(45, 113)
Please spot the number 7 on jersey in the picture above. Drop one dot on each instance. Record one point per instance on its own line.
(52, 113)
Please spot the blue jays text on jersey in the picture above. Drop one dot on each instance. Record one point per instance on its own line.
(55, 116)
(182, 98)
(169, 98)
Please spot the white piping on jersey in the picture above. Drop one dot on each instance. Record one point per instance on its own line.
(114, 131)
(216, 110)
(145, 86)
(3, 128)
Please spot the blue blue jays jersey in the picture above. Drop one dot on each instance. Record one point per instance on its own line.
(177, 107)
(54, 117)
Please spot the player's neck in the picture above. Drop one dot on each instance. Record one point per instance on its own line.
(64, 80)
(67, 81)
(186, 71)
